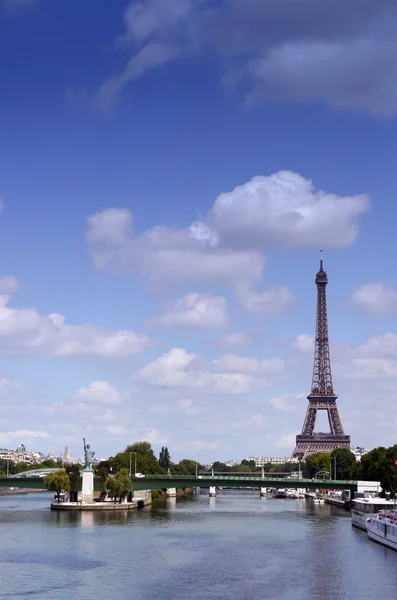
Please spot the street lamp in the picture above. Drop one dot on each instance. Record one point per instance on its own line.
(197, 457)
(131, 453)
(335, 468)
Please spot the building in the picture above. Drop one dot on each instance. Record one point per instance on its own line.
(261, 461)
(359, 452)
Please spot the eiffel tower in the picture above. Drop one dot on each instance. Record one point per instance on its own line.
(322, 396)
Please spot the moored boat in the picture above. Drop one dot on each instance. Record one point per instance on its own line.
(362, 508)
(382, 528)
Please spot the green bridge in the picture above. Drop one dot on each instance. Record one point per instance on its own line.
(158, 482)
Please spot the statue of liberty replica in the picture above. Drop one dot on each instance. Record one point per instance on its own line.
(88, 456)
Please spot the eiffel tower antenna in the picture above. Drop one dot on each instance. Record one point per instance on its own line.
(322, 396)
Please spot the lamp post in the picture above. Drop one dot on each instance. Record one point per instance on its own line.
(197, 457)
(8, 467)
(130, 464)
(335, 468)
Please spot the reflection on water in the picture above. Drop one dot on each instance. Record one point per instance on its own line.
(234, 546)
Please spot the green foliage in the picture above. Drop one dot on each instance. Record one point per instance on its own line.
(164, 458)
(142, 452)
(378, 465)
(119, 486)
(57, 481)
(48, 463)
(220, 467)
(346, 464)
(74, 474)
(319, 461)
(11, 466)
(102, 472)
(185, 467)
(248, 463)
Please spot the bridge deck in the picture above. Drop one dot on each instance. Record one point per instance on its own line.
(156, 482)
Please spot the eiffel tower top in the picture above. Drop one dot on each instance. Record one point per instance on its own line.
(322, 376)
(321, 277)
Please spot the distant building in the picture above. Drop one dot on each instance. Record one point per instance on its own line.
(261, 461)
(359, 452)
(67, 457)
(21, 455)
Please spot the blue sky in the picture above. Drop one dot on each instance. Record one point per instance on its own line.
(169, 171)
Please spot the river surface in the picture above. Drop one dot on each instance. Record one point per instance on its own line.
(233, 547)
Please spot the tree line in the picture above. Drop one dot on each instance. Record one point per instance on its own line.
(376, 465)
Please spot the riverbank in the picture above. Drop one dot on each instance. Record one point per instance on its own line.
(19, 491)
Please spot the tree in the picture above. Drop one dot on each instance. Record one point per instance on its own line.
(319, 461)
(220, 467)
(378, 465)
(142, 453)
(164, 458)
(345, 463)
(102, 472)
(57, 481)
(119, 486)
(74, 474)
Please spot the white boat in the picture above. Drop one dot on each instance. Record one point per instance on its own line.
(280, 493)
(362, 508)
(293, 494)
(382, 528)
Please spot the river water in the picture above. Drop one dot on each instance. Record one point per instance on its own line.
(233, 547)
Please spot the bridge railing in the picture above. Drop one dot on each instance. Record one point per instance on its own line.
(245, 478)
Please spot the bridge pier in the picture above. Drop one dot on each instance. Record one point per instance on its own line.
(171, 492)
(263, 493)
(212, 491)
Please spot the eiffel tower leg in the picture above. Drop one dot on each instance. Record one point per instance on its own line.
(310, 420)
(335, 422)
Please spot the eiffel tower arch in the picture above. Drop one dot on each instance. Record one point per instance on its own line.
(322, 396)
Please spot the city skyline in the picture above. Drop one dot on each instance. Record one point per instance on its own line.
(166, 186)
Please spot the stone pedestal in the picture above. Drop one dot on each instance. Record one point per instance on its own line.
(87, 491)
(212, 492)
(171, 492)
(263, 492)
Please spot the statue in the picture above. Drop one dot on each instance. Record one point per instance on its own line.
(88, 456)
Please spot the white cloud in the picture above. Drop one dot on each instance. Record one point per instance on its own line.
(116, 430)
(196, 310)
(375, 298)
(272, 301)
(225, 249)
(22, 436)
(99, 392)
(297, 51)
(149, 57)
(228, 375)
(188, 408)
(287, 403)
(25, 332)
(304, 342)
(284, 209)
(168, 255)
(236, 339)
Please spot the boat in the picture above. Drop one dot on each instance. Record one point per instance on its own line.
(280, 493)
(292, 494)
(362, 508)
(382, 528)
